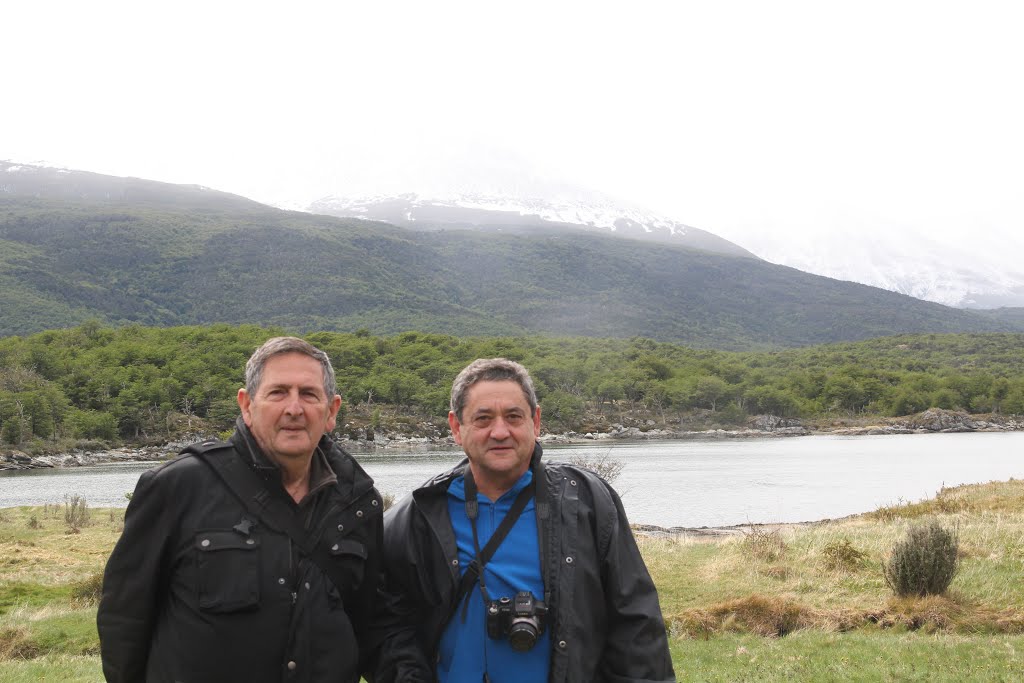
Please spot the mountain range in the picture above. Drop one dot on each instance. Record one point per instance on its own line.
(76, 246)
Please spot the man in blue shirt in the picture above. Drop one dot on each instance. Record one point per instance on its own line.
(510, 569)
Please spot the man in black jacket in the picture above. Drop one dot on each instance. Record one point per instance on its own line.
(255, 559)
(560, 594)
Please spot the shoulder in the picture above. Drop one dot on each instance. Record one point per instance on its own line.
(586, 480)
(188, 464)
(426, 499)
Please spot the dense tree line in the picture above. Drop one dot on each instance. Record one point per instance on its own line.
(135, 382)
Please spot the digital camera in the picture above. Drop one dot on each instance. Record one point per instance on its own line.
(521, 619)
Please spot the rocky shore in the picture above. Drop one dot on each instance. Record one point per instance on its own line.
(930, 421)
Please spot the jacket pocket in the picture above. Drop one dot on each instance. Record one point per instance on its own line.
(228, 571)
(348, 556)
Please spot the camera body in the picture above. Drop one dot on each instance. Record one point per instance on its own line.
(521, 619)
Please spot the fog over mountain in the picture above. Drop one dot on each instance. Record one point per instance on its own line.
(490, 190)
(960, 271)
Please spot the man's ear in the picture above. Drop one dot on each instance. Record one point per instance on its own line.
(536, 422)
(245, 403)
(456, 428)
(332, 418)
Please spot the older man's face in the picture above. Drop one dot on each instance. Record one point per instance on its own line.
(290, 411)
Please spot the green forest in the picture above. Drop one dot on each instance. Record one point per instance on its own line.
(137, 384)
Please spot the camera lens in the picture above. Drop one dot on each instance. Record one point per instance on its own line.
(522, 635)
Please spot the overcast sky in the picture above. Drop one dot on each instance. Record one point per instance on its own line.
(759, 121)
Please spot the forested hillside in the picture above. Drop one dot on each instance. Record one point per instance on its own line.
(143, 383)
(139, 261)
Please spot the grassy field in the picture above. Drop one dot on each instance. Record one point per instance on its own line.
(785, 603)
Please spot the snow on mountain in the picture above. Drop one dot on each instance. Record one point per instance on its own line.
(478, 210)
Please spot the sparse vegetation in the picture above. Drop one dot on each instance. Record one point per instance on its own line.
(604, 465)
(76, 512)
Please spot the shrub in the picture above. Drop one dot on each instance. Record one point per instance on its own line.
(76, 512)
(924, 562)
(88, 590)
(841, 555)
(604, 466)
(764, 545)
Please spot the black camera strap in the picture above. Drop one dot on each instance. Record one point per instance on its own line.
(475, 570)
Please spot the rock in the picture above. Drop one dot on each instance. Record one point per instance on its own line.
(772, 423)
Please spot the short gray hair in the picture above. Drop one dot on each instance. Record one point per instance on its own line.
(491, 370)
(277, 345)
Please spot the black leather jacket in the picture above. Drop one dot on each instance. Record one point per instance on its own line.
(197, 590)
(606, 623)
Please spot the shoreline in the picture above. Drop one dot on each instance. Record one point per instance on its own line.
(934, 421)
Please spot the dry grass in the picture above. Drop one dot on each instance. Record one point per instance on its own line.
(828, 576)
(993, 497)
(40, 552)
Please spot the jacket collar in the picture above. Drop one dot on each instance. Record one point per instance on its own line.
(330, 466)
(440, 483)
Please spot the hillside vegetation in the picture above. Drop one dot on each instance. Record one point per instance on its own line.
(152, 384)
(82, 246)
(789, 603)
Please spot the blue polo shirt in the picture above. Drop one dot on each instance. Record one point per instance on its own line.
(466, 652)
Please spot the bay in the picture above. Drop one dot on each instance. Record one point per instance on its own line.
(690, 483)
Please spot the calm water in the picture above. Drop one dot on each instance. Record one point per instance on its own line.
(677, 483)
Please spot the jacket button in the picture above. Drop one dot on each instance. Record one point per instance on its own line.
(307, 585)
(334, 547)
(250, 541)
(572, 482)
(568, 560)
(292, 665)
(455, 562)
(374, 502)
(205, 542)
(281, 581)
(359, 513)
(341, 527)
(562, 644)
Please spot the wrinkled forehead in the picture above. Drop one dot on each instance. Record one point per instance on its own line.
(496, 395)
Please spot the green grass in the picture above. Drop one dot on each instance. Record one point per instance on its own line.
(64, 668)
(781, 603)
(864, 655)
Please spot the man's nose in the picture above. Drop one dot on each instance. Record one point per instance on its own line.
(499, 430)
(293, 405)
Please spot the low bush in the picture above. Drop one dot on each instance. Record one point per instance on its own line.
(842, 556)
(604, 466)
(764, 545)
(76, 512)
(924, 562)
(88, 590)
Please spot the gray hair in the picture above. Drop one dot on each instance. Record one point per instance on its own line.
(277, 345)
(491, 370)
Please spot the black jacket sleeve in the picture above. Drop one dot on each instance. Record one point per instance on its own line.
(636, 648)
(402, 614)
(134, 584)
